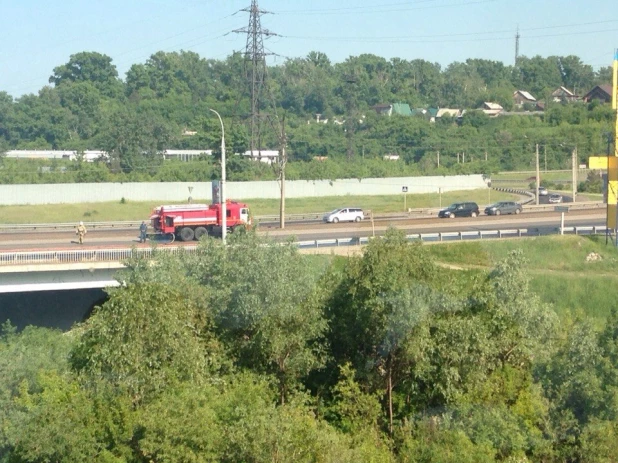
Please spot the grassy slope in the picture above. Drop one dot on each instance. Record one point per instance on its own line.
(557, 266)
(102, 212)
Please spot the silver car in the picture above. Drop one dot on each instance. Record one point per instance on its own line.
(503, 207)
(345, 214)
(555, 199)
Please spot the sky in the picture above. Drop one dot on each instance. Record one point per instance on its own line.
(38, 35)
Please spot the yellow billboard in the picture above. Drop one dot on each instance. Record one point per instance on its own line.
(597, 162)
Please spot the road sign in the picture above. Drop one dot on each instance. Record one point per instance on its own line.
(404, 189)
(561, 208)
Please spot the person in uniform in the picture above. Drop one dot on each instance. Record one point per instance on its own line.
(143, 228)
(80, 232)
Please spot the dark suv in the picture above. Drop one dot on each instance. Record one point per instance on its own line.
(460, 210)
(503, 207)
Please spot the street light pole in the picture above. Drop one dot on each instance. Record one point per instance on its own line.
(222, 199)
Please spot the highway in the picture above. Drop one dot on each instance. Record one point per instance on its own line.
(541, 222)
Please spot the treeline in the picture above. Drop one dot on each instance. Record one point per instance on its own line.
(87, 106)
(254, 353)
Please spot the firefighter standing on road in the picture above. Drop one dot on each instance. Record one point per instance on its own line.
(142, 232)
(80, 232)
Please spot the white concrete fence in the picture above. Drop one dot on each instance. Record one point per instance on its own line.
(68, 193)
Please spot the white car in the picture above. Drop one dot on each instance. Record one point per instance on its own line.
(555, 199)
(543, 191)
(346, 214)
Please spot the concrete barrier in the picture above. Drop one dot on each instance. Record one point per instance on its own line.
(70, 193)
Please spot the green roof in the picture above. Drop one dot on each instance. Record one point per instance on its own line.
(402, 109)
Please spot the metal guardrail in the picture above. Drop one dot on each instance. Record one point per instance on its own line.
(129, 224)
(85, 255)
(118, 255)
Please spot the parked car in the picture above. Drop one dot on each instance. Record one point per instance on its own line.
(346, 214)
(460, 210)
(543, 191)
(555, 199)
(503, 207)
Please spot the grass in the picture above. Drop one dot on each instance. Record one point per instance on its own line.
(523, 180)
(552, 176)
(557, 267)
(571, 293)
(130, 210)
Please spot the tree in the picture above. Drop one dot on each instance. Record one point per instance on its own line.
(145, 337)
(266, 305)
(89, 67)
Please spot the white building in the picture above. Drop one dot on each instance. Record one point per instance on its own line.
(267, 156)
(88, 155)
(186, 155)
(41, 154)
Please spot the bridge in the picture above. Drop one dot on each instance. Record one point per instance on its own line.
(95, 266)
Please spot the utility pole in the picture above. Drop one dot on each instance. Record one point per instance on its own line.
(351, 80)
(222, 199)
(545, 154)
(438, 158)
(457, 157)
(538, 175)
(282, 162)
(517, 36)
(574, 172)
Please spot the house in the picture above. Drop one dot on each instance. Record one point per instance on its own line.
(391, 157)
(319, 120)
(601, 93)
(437, 113)
(320, 158)
(521, 97)
(188, 133)
(491, 109)
(267, 156)
(185, 155)
(563, 94)
(402, 109)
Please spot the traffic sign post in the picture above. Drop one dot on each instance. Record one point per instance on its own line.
(562, 210)
(404, 190)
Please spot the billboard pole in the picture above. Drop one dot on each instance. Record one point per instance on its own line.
(615, 108)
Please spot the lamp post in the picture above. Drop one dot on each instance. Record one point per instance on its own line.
(222, 185)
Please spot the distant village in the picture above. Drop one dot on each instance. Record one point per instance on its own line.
(523, 102)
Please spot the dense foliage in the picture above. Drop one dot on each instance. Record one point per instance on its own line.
(254, 353)
(89, 107)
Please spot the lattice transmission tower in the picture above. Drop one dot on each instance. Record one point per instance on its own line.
(255, 67)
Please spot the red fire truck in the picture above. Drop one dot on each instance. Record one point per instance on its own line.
(192, 221)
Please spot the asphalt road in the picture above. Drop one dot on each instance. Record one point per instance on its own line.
(541, 222)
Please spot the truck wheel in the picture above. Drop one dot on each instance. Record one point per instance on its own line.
(335, 220)
(199, 232)
(186, 234)
(358, 218)
(473, 214)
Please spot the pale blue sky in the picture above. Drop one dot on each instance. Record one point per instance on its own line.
(38, 35)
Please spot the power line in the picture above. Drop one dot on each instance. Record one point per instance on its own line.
(379, 9)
